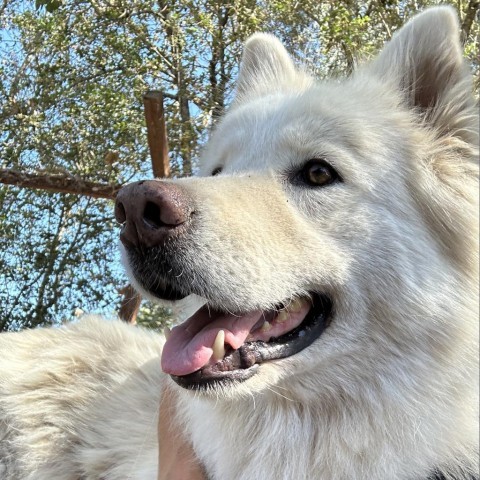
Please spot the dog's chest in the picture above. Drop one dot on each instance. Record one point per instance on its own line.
(247, 442)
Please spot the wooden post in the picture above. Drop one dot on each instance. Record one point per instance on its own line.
(156, 133)
(158, 145)
(130, 304)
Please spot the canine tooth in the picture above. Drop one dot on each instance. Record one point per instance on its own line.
(219, 346)
(283, 316)
(297, 305)
(166, 332)
(266, 327)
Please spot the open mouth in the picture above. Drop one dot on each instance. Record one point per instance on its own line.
(213, 347)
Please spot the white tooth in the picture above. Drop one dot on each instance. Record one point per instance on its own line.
(219, 346)
(266, 327)
(283, 316)
(297, 305)
(166, 332)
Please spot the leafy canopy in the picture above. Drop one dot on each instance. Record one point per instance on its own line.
(72, 75)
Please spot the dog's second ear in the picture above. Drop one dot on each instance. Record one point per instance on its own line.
(266, 67)
(424, 60)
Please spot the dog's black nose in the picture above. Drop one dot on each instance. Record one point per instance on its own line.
(150, 211)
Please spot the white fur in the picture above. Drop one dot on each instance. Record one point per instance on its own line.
(390, 390)
(80, 402)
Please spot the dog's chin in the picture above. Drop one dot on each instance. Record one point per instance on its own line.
(235, 365)
(166, 293)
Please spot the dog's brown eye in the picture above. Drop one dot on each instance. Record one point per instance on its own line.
(318, 173)
(216, 171)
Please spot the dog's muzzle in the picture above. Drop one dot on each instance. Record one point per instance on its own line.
(160, 230)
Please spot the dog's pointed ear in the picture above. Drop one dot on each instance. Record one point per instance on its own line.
(424, 60)
(266, 67)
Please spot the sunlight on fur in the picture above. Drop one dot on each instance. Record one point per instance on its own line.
(389, 389)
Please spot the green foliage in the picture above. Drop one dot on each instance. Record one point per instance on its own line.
(72, 75)
(58, 255)
(155, 316)
(50, 5)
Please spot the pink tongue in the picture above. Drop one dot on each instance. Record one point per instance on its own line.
(189, 346)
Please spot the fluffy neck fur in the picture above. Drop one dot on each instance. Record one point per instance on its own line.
(375, 436)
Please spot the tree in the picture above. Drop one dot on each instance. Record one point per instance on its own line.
(72, 75)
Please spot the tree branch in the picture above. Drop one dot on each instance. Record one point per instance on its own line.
(58, 183)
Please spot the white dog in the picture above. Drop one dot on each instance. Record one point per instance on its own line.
(334, 236)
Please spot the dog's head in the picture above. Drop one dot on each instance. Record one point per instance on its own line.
(332, 228)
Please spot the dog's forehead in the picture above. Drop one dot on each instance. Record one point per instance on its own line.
(255, 136)
(281, 130)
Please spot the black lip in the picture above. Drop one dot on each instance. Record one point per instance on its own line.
(241, 364)
(149, 273)
(166, 292)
